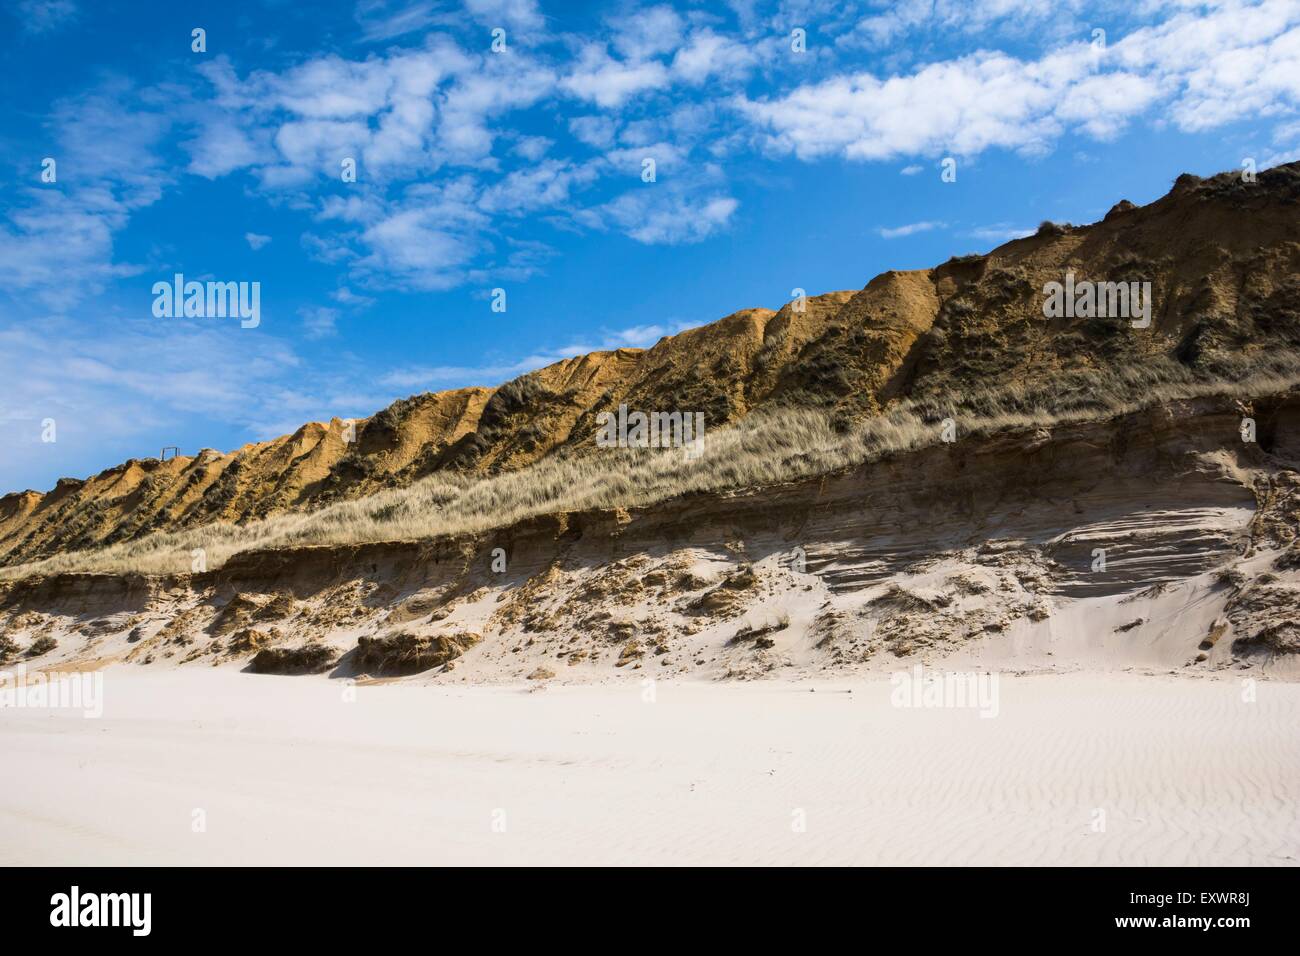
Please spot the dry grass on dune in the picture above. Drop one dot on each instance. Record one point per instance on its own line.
(765, 449)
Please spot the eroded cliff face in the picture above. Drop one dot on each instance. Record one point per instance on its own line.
(1158, 539)
(1222, 257)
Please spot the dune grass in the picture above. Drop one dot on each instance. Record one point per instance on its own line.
(765, 449)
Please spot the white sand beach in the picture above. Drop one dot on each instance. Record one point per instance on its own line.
(191, 766)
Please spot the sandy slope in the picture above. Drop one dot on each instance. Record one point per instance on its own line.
(288, 772)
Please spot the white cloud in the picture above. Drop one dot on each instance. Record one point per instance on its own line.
(400, 116)
(329, 87)
(710, 54)
(647, 32)
(428, 241)
(483, 93)
(533, 148)
(345, 296)
(598, 78)
(639, 336)
(1208, 67)
(1102, 105)
(1238, 62)
(999, 232)
(319, 321)
(494, 373)
(966, 106)
(404, 134)
(296, 126)
(255, 240)
(410, 111)
(221, 147)
(597, 131)
(910, 229)
(546, 184)
(656, 215)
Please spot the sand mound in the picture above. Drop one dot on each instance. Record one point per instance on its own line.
(308, 659)
(398, 654)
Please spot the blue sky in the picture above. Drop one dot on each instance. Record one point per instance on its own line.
(521, 169)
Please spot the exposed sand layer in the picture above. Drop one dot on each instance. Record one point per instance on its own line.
(1158, 539)
(286, 771)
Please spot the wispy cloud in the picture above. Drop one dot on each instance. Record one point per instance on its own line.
(43, 16)
(494, 373)
(132, 380)
(999, 232)
(58, 244)
(319, 321)
(387, 20)
(658, 214)
(910, 229)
